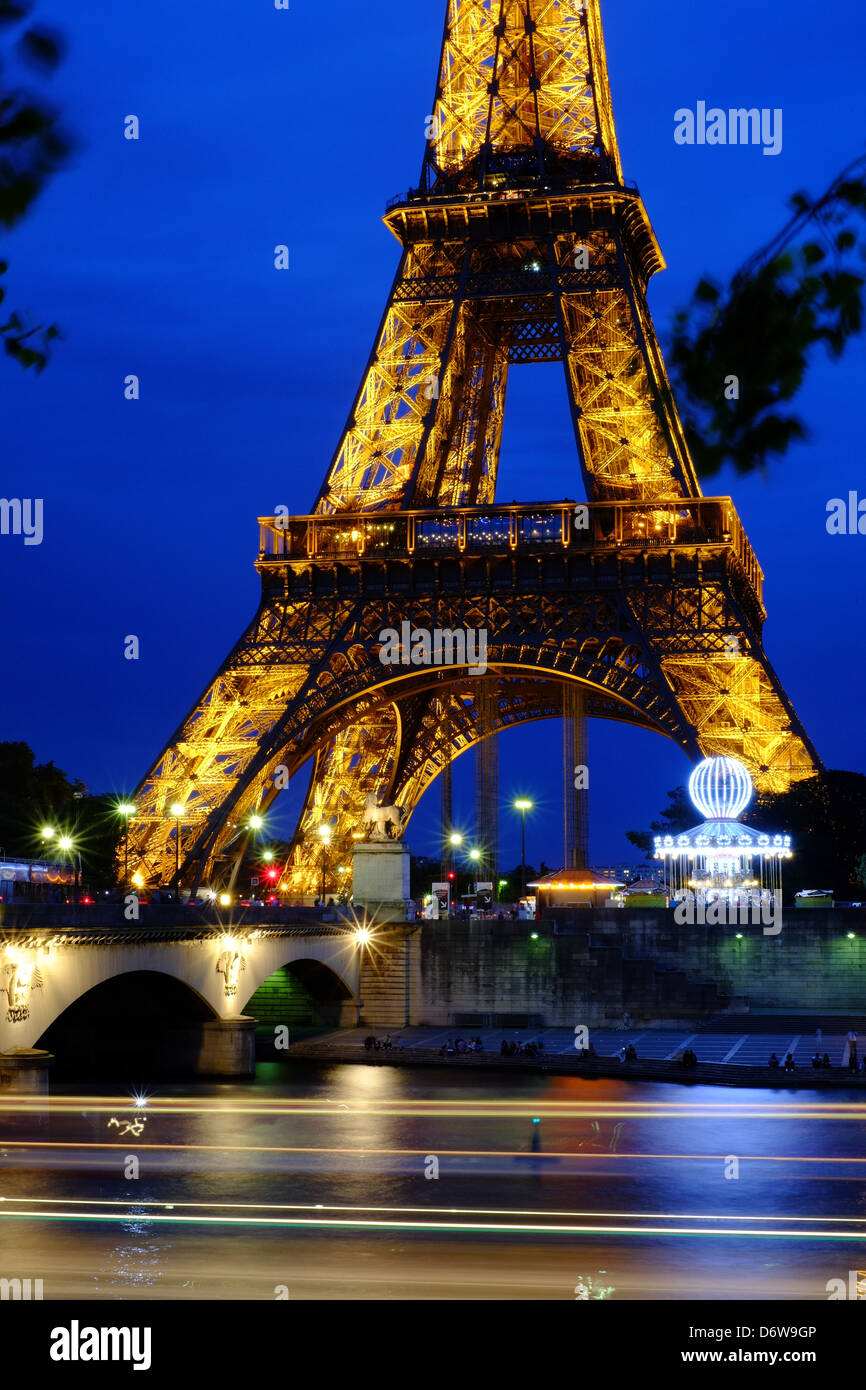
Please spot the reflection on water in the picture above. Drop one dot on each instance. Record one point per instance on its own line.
(133, 1266)
(354, 1182)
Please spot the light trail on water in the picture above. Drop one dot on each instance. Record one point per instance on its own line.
(531, 1156)
(448, 1109)
(165, 1217)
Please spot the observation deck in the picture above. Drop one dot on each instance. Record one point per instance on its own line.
(706, 525)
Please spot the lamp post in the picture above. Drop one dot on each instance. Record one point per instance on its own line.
(66, 843)
(523, 805)
(126, 810)
(177, 810)
(325, 833)
(77, 797)
(254, 825)
(455, 840)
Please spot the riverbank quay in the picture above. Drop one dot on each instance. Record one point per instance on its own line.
(423, 1048)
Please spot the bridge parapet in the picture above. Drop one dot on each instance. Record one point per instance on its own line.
(158, 917)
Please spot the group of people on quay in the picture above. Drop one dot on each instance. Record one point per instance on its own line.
(458, 1046)
(534, 1048)
(383, 1044)
(821, 1061)
(518, 1048)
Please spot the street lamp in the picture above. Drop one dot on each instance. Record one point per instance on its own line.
(475, 857)
(65, 843)
(177, 809)
(455, 840)
(78, 797)
(522, 805)
(325, 833)
(126, 809)
(256, 822)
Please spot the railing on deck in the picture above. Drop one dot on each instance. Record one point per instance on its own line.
(683, 523)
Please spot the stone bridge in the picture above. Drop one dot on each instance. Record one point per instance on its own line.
(170, 995)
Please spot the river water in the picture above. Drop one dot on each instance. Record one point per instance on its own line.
(349, 1182)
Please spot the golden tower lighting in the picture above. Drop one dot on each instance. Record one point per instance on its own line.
(520, 243)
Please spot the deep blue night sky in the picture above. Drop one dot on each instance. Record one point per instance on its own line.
(261, 127)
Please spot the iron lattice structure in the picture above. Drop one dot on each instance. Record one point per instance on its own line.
(521, 244)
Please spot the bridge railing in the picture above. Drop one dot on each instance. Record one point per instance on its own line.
(686, 523)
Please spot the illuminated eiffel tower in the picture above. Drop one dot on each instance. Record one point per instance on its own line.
(521, 244)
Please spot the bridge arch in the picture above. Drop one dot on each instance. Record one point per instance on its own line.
(300, 994)
(136, 1024)
(209, 973)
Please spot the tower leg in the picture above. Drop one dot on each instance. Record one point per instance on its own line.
(487, 788)
(575, 796)
(446, 820)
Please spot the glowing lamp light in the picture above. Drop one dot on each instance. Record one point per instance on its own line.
(256, 822)
(363, 937)
(225, 900)
(126, 809)
(177, 809)
(65, 842)
(720, 788)
(455, 839)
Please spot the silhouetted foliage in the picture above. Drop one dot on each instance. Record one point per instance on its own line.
(32, 149)
(803, 290)
(677, 816)
(826, 819)
(35, 796)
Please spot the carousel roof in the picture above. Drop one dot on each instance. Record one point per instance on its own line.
(723, 838)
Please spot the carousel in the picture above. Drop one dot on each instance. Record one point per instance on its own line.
(722, 859)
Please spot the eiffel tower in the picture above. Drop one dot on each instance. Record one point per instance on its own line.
(521, 244)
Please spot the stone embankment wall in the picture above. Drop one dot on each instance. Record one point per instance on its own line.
(591, 966)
